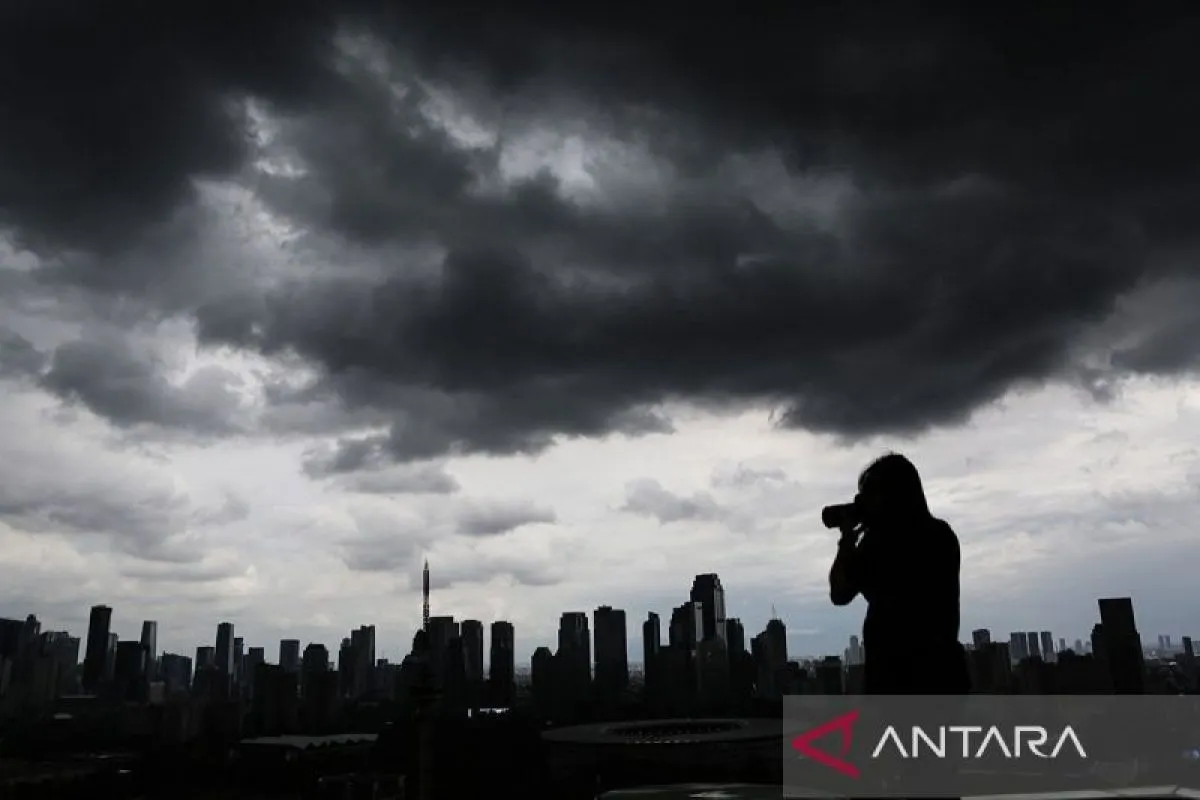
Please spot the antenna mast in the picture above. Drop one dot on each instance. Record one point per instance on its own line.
(425, 597)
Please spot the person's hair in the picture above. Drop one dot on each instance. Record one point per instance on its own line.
(895, 479)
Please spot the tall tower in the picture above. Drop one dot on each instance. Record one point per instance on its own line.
(425, 597)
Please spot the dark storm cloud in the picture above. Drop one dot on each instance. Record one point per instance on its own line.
(403, 480)
(476, 568)
(146, 522)
(744, 477)
(181, 573)
(129, 389)
(1009, 179)
(234, 508)
(648, 498)
(18, 357)
(495, 518)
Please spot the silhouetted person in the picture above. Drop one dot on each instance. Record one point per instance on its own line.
(905, 564)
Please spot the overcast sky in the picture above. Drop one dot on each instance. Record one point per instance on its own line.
(578, 306)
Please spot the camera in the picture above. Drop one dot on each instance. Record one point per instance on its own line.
(845, 515)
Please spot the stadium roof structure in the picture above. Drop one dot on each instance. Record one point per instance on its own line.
(310, 742)
(742, 791)
(668, 732)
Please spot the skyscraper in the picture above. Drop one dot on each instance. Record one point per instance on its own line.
(687, 626)
(981, 638)
(776, 633)
(239, 653)
(110, 657)
(1048, 653)
(440, 631)
(501, 666)
(612, 649)
(651, 639)
(735, 636)
(472, 636)
(425, 597)
(362, 658)
(289, 654)
(150, 643)
(206, 656)
(707, 591)
(574, 656)
(254, 656)
(95, 656)
(225, 652)
(1032, 646)
(1018, 646)
(1122, 645)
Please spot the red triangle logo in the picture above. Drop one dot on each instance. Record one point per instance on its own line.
(845, 724)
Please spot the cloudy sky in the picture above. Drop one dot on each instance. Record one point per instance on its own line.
(578, 306)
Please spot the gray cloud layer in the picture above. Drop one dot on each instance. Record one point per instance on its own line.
(1004, 194)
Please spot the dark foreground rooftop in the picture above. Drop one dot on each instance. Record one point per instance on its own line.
(668, 732)
(744, 791)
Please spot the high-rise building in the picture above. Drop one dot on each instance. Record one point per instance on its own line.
(425, 597)
(206, 656)
(129, 671)
(574, 657)
(981, 638)
(176, 672)
(735, 636)
(254, 656)
(612, 649)
(1116, 615)
(110, 660)
(289, 654)
(1048, 653)
(440, 631)
(314, 663)
(501, 664)
(687, 627)
(1122, 645)
(776, 633)
(225, 649)
(1018, 647)
(854, 653)
(1032, 646)
(651, 640)
(95, 659)
(362, 661)
(769, 649)
(707, 591)
(150, 645)
(472, 637)
(239, 653)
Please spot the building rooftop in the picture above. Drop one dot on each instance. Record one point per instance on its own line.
(307, 742)
(741, 791)
(667, 732)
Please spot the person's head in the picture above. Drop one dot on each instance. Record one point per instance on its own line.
(890, 491)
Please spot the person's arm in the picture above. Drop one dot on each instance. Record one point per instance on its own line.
(845, 576)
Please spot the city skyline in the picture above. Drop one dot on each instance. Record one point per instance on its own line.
(269, 340)
(1045, 640)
